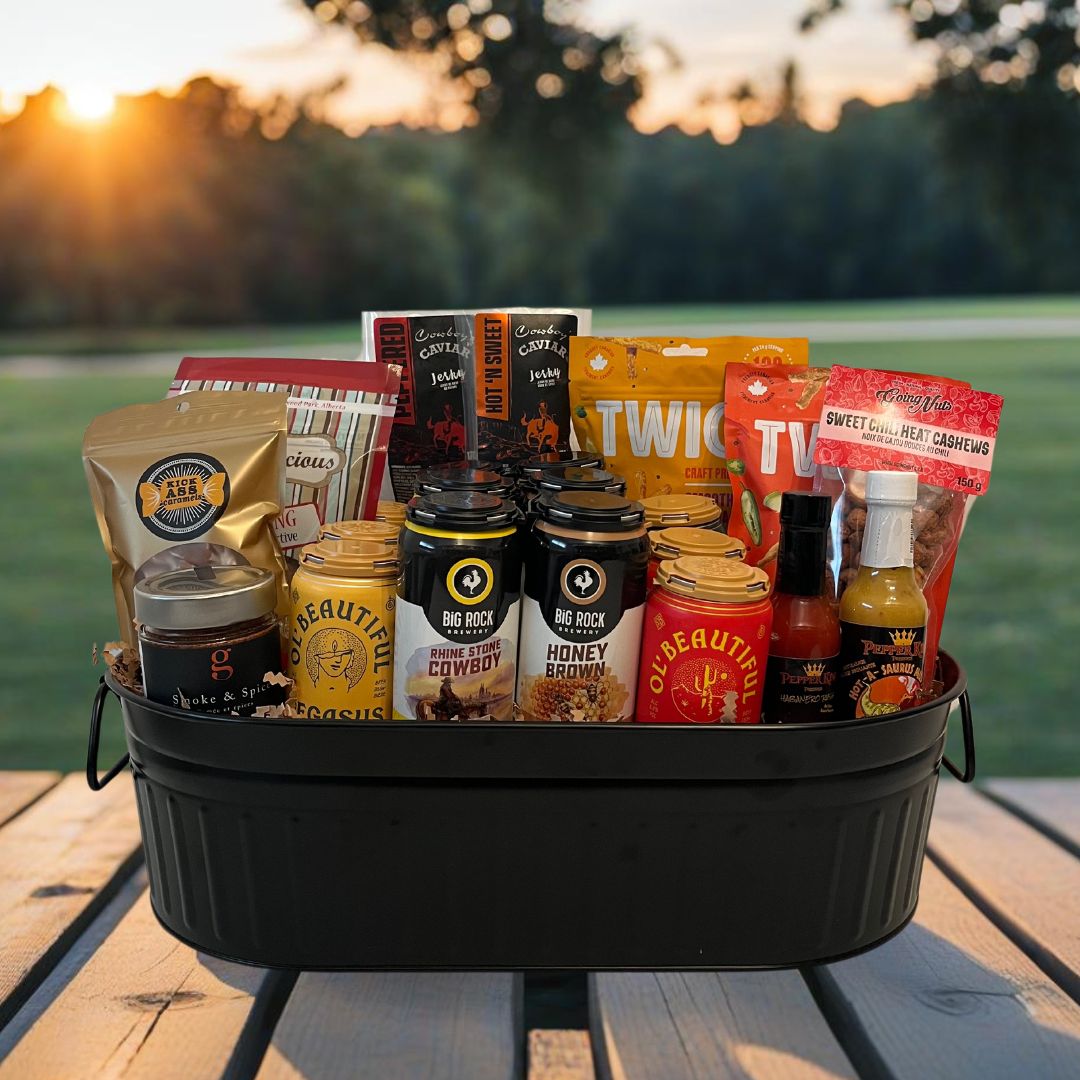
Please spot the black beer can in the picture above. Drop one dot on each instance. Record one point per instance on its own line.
(586, 559)
(456, 622)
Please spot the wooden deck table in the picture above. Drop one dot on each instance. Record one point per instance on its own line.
(985, 982)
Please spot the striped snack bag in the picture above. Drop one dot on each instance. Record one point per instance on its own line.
(340, 413)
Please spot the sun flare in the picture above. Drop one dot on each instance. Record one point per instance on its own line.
(88, 104)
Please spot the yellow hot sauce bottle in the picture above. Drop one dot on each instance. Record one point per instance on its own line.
(883, 611)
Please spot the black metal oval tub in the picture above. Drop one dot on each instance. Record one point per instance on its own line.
(343, 845)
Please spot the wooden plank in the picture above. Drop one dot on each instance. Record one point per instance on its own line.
(560, 1055)
(950, 996)
(1026, 883)
(706, 1025)
(19, 789)
(144, 1006)
(73, 961)
(1052, 805)
(60, 861)
(397, 1026)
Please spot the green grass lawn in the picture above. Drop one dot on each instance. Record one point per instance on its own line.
(1014, 615)
(608, 320)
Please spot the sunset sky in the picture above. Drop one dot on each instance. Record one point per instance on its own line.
(107, 47)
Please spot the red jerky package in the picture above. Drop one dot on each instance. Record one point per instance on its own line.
(340, 413)
(940, 428)
(770, 427)
(431, 426)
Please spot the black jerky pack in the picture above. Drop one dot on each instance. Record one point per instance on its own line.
(522, 382)
(430, 421)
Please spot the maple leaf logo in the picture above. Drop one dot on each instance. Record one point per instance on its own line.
(757, 388)
(598, 362)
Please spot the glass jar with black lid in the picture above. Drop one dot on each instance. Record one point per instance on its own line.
(586, 559)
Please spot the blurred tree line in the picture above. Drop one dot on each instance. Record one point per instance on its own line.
(200, 208)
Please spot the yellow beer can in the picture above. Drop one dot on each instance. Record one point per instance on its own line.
(341, 630)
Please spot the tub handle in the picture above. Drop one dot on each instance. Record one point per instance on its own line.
(97, 783)
(966, 775)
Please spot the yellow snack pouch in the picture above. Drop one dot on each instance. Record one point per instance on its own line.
(654, 407)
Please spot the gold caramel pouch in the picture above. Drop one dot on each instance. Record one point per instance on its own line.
(191, 481)
(654, 407)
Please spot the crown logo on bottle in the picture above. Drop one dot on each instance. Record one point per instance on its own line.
(903, 637)
(815, 671)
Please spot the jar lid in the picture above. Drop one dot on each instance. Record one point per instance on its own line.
(597, 510)
(382, 532)
(203, 597)
(466, 511)
(576, 477)
(692, 540)
(532, 467)
(462, 476)
(661, 510)
(708, 578)
(351, 558)
(393, 512)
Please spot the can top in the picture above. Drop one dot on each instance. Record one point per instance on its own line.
(383, 532)
(462, 476)
(393, 512)
(690, 540)
(582, 478)
(708, 578)
(204, 597)
(461, 511)
(662, 510)
(532, 468)
(599, 510)
(350, 558)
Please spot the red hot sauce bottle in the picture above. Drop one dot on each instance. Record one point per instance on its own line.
(800, 681)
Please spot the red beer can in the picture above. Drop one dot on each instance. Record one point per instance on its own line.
(706, 643)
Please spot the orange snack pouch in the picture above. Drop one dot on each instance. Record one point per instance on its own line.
(654, 407)
(770, 429)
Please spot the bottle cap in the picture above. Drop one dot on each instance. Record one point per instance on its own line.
(898, 488)
(803, 510)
